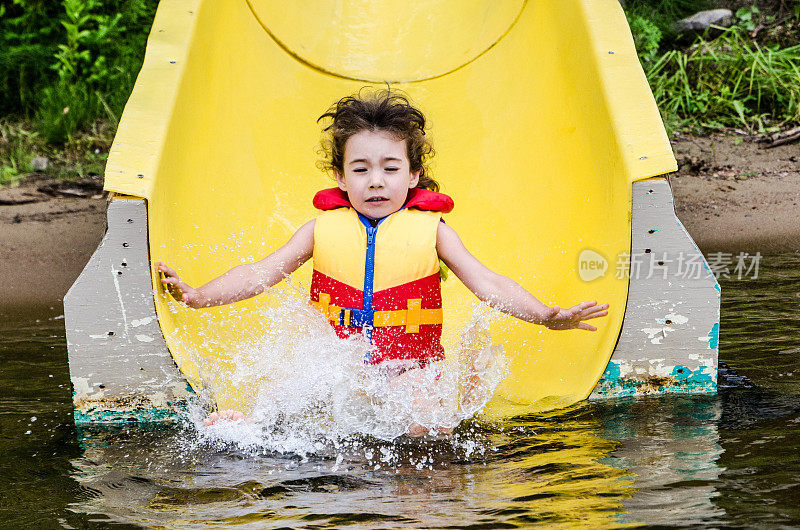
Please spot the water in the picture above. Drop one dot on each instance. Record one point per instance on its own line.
(730, 460)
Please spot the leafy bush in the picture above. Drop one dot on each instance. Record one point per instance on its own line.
(646, 36)
(71, 62)
(660, 14)
(747, 17)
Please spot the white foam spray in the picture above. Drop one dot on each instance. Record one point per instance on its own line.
(315, 392)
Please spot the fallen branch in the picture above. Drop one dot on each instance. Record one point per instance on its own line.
(14, 202)
(782, 138)
(83, 188)
(754, 33)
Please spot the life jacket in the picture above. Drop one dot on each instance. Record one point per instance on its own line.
(381, 280)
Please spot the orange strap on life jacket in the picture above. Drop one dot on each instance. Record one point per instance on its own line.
(412, 318)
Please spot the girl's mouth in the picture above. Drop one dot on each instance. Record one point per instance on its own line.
(376, 199)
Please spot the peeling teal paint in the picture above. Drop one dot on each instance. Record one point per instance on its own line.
(713, 337)
(612, 372)
(680, 373)
(681, 381)
(697, 377)
(95, 415)
(107, 412)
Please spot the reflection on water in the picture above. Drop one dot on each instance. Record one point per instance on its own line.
(671, 446)
(530, 470)
(707, 461)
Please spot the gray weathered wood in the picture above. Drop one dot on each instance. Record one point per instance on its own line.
(669, 337)
(119, 364)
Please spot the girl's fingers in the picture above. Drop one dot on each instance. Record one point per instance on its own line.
(166, 270)
(174, 283)
(231, 415)
(595, 315)
(593, 311)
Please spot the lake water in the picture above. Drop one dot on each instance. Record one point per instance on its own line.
(727, 460)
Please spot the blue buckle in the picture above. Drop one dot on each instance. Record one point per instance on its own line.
(358, 317)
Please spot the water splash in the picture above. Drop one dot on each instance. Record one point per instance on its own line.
(313, 392)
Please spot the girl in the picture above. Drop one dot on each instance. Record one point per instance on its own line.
(378, 243)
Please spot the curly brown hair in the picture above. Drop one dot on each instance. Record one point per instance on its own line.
(382, 110)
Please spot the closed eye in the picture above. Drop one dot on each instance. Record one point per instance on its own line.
(359, 170)
(392, 169)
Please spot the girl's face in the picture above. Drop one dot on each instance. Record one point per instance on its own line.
(377, 174)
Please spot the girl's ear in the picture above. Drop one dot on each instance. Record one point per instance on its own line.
(414, 179)
(340, 180)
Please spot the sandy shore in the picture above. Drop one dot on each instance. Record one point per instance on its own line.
(737, 196)
(730, 195)
(45, 244)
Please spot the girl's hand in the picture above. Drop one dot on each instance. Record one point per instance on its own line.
(179, 289)
(559, 318)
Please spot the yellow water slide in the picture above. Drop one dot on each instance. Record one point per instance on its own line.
(540, 115)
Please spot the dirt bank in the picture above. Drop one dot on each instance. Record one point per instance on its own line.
(731, 194)
(44, 244)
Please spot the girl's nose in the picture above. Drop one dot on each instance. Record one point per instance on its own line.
(375, 179)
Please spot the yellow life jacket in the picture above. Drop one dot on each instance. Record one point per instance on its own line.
(381, 280)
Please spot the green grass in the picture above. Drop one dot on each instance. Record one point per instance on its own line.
(15, 152)
(744, 77)
(730, 81)
(84, 155)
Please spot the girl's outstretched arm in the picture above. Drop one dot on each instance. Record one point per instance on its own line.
(245, 281)
(505, 294)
